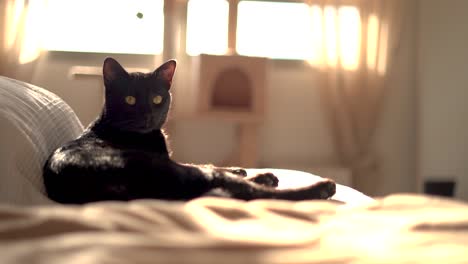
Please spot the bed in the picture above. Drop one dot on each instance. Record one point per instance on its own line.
(349, 228)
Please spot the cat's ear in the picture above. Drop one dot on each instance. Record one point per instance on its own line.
(166, 71)
(112, 70)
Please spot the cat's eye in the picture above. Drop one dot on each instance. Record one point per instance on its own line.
(157, 99)
(130, 100)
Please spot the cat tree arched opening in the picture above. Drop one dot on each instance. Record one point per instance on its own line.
(232, 90)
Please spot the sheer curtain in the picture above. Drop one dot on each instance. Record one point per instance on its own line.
(356, 41)
(20, 32)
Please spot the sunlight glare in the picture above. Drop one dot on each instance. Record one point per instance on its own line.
(30, 49)
(372, 41)
(350, 37)
(383, 52)
(274, 30)
(317, 36)
(331, 36)
(12, 21)
(110, 26)
(207, 27)
(336, 37)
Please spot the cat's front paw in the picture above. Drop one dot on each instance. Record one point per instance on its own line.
(266, 179)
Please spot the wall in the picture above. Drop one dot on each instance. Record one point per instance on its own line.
(294, 131)
(443, 79)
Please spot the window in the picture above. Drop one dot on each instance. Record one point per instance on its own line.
(274, 30)
(207, 27)
(109, 26)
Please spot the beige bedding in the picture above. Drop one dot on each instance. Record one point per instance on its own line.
(396, 229)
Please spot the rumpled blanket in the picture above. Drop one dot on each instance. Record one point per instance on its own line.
(395, 229)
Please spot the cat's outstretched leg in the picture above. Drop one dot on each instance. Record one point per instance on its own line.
(240, 188)
(265, 179)
(234, 170)
(200, 181)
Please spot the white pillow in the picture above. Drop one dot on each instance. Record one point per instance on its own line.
(34, 122)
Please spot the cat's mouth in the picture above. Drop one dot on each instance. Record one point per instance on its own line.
(144, 126)
(152, 124)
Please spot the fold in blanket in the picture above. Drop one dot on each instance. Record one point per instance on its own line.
(396, 229)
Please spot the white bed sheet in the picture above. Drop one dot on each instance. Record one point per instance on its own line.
(294, 179)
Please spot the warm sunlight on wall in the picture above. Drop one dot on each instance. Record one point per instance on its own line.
(207, 27)
(110, 26)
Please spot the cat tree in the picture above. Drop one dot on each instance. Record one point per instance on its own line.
(232, 87)
(227, 87)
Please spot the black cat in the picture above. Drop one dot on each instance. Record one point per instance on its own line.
(123, 154)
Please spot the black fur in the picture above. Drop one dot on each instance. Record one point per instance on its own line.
(123, 154)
